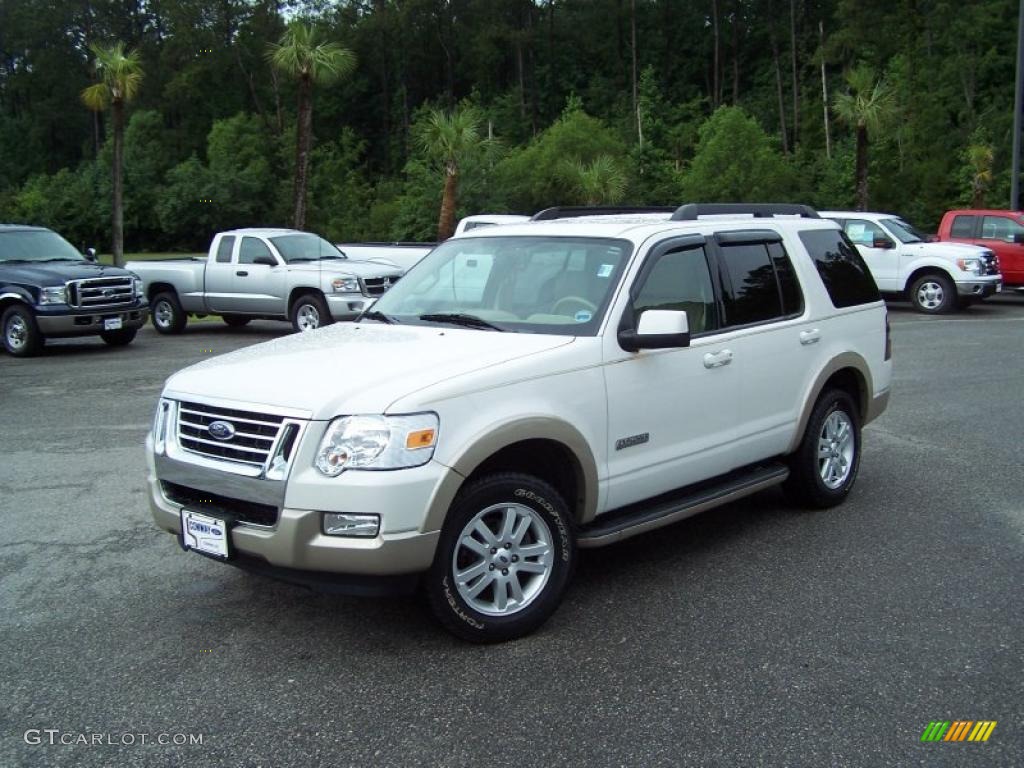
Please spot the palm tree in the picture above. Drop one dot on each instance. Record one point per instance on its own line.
(867, 106)
(979, 157)
(120, 74)
(312, 61)
(448, 138)
(600, 183)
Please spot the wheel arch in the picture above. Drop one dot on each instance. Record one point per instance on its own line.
(10, 295)
(299, 291)
(160, 287)
(548, 448)
(928, 268)
(849, 372)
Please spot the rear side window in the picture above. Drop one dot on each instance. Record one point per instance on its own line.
(963, 226)
(843, 271)
(227, 244)
(761, 286)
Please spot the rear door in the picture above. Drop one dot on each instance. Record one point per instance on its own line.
(220, 274)
(776, 349)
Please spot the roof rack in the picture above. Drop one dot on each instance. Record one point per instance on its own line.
(572, 211)
(693, 211)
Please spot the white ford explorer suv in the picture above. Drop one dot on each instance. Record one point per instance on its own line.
(525, 391)
(934, 277)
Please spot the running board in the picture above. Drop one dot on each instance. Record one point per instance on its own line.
(670, 508)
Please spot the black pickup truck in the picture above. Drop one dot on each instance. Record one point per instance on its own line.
(50, 290)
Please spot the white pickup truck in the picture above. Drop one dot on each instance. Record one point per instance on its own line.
(279, 274)
(934, 277)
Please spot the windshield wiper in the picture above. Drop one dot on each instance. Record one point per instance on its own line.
(459, 318)
(61, 258)
(375, 315)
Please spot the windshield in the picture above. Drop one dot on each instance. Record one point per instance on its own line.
(36, 245)
(555, 285)
(903, 231)
(304, 247)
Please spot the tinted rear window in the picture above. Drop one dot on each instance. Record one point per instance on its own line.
(227, 244)
(843, 271)
(754, 294)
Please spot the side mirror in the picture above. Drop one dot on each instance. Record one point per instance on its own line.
(90, 254)
(1018, 238)
(657, 329)
(265, 260)
(883, 242)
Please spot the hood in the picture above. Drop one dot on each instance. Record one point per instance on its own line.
(335, 267)
(352, 367)
(945, 250)
(56, 272)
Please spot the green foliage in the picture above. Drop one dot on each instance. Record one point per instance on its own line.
(532, 177)
(301, 53)
(736, 161)
(120, 74)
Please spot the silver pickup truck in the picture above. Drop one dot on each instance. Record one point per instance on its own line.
(277, 274)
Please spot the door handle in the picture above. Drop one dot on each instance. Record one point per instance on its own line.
(717, 359)
(812, 336)
(242, 273)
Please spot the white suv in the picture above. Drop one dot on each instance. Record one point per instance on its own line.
(526, 391)
(935, 277)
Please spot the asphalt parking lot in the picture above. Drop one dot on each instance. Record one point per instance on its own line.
(751, 635)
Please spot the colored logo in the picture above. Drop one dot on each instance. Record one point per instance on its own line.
(958, 730)
(221, 430)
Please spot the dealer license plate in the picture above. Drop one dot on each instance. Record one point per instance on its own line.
(112, 324)
(205, 534)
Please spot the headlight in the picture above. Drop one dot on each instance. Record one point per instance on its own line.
(137, 282)
(54, 294)
(377, 442)
(970, 265)
(346, 285)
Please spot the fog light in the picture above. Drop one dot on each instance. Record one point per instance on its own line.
(347, 524)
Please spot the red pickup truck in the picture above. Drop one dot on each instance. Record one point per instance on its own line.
(1001, 231)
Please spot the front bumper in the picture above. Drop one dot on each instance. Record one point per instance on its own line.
(60, 321)
(347, 306)
(981, 288)
(295, 542)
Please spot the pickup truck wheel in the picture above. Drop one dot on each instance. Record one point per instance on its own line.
(933, 294)
(236, 321)
(168, 316)
(119, 338)
(824, 467)
(310, 312)
(22, 337)
(504, 559)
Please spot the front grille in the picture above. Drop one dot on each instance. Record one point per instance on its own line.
(212, 503)
(991, 264)
(253, 439)
(101, 292)
(376, 286)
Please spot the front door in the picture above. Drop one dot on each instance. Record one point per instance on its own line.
(1000, 233)
(259, 288)
(884, 263)
(671, 412)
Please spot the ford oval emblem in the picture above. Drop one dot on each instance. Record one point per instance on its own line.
(221, 430)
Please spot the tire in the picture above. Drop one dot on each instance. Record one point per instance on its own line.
(309, 312)
(236, 321)
(933, 294)
(120, 338)
(507, 505)
(21, 334)
(168, 316)
(813, 481)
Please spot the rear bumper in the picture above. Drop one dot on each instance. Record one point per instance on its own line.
(88, 323)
